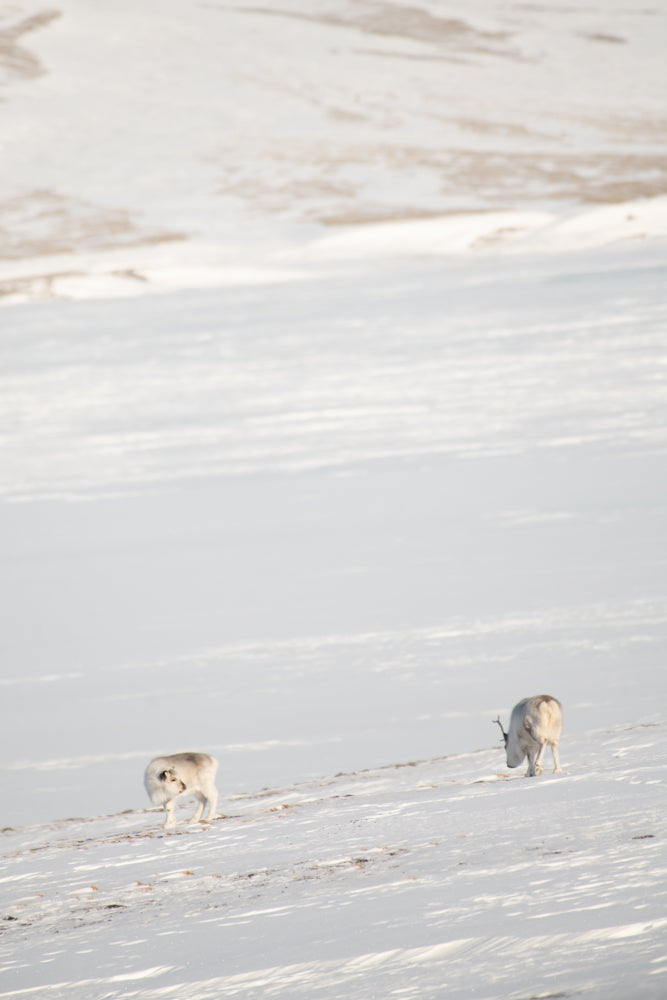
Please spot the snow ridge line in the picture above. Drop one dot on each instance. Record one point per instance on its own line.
(310, 975)
(157, 970)
(640, 611)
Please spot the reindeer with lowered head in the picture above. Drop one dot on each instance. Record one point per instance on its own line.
(535, 723)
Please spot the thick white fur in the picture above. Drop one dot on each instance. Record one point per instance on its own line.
(535, 724)
(168, 778)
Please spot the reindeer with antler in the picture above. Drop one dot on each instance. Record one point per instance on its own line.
(535, 723)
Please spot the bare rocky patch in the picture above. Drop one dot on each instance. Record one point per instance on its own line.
(42, 223)
(391, 20)
(15, 59)
(322, 185)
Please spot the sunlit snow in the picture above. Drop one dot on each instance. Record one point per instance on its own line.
(333, 421)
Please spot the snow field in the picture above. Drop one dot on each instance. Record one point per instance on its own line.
(450, 875)
(332, 422)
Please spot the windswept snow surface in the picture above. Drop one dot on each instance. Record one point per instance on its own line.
(441, 878)
(333, 421)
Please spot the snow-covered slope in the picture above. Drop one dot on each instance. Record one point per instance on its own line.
(431, 879)
(329, 524)
(169, 144)
(385, 454)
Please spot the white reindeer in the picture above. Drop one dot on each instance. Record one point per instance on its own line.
(169, 778)
(535, 723)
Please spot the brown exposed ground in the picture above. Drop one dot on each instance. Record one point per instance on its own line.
(394, 20)
(41, 223)
(322, 190)
(15, 60)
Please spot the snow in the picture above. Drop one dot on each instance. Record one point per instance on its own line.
(412, 880)
(333, 407)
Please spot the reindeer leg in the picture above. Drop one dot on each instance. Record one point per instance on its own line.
(199, 810)
(556, 756)
(535, 755)
(170, 816)
(538, 767)
(212, 804)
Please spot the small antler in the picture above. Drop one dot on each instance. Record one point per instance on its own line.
(501, 728)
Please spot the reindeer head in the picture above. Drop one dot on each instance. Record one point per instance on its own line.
(505, 735)
(169, 776)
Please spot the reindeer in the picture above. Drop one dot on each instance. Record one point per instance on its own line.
(168, 778)
(534, 723)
